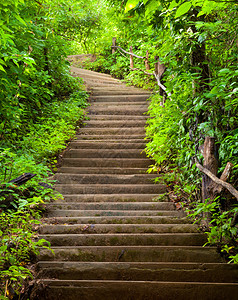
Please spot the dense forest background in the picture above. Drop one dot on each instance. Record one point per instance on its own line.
(41, 104)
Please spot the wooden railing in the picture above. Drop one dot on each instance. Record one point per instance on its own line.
(159, 68)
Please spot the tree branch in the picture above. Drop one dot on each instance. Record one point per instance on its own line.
(130, 53)
(226, 185)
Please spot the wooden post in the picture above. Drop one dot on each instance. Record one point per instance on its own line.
(159, 71)
(156, 65)
(147, 66)
(114, 39)
(210, 163)
(131, 58)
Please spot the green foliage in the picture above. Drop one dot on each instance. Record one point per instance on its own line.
(222, 232)
(41, 105)
(18, 246)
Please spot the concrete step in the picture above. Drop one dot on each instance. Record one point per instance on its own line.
(105, 117)
(132, 254)
(111, 198)
(105, 153)
(118, 91)
(115, 110)
(102, 170)
(127, 290)
(107, 162)
(116, 144)
(136, 104)
(126, 239)
(102, 82)
(139, 271)
(134, 219)
(121, 138)
(115, 123)
(65, 178)
(124, 87)
(112, 206)
(113, 131)
(113, 212)
(115, 228)
(89, 72)
(110, 188)
(120, 98)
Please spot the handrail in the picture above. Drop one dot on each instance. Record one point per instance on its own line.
(159, 67)
(130, 53)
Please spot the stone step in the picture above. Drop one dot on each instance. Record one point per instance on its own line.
(117, 220)
(105, 117)
(115, 110)
(110, 188)
(119, 98)
(115, 123)
(105, 153)
(102, 170)
(117, 91)
(140, 290)
(112, 205)
(115, 228)
(132, 254)
(65, 178)
(89, 72)
(107, 162)
(140, 271)
(113, 212)
(120, 104)
(124, 87)
(116, 144)
(93, 76)
(112, 131)
(102, 82)
(126, 239)
(108, 138)
(112, 198)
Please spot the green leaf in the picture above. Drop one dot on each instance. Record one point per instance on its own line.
(183, 9)
(2, 69)
(130, 5)
(173, 4)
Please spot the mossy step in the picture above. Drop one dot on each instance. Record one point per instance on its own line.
(126, 239)
(118, 220)
(115, 110)
(104, 178)
(117, 145)
(110, 188)
(139, 271)
(112, 212)
(140, 290)
(112, 198)
(112, 131)
(122, 104)
(132, 137)
(115, 123)
(105, 117)
(115, 228)
(105, 153)
(132, 254)
(102, 170)
(113, 206)
(119, 98)
(107, 162)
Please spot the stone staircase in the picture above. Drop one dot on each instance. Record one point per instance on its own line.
(111, 237)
